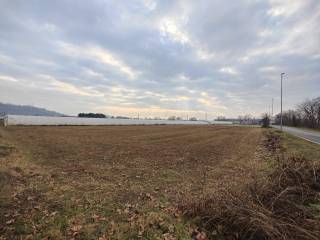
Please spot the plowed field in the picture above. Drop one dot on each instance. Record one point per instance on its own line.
(115, 182)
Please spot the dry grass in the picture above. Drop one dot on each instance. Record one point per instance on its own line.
(119, 182)
(127, 182)
(294, 146)
(275, 205)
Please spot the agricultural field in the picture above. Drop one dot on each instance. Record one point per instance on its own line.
(123, 182)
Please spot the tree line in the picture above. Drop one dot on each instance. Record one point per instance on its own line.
(307, 114)
(92, 115)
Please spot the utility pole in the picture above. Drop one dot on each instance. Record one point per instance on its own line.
(272, 108)
(281, 102)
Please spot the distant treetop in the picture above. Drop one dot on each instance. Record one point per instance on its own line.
(92, 115)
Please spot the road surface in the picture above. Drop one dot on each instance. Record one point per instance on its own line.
(309, 135)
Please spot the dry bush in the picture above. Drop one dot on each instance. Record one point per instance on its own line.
(274, 206)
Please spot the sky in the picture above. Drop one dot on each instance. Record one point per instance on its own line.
(159, 58)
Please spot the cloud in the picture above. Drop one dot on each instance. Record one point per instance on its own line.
(55, 84)
(170, 29)
(162, 57)
(228, 70)
(97, 53)
(8, 78)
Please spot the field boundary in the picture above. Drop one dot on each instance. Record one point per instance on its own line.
(11, 120)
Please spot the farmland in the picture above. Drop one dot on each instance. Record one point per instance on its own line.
(117, 182)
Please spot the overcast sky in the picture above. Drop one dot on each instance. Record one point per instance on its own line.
(159, 58)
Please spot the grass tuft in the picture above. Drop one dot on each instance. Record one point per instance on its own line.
(279, 205)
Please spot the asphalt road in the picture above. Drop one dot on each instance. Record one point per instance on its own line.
(309, 135)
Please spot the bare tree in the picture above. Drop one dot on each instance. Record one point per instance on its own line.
(308, 110)
(265, 120)
(307, 114)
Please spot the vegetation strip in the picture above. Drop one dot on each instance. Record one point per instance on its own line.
(282, 204)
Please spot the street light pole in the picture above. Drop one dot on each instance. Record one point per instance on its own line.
(272, 109)
(281, 103)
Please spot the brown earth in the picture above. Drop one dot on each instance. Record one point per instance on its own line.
(116, 181)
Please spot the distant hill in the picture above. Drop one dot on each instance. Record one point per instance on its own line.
(26, 110)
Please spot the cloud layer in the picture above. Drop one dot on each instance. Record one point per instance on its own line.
(159, 58)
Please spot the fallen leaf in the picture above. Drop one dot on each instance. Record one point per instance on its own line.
(10, 221)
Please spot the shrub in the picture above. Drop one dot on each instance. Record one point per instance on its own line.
(265, 121)
(275, 206)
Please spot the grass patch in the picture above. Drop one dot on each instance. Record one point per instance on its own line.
(298, 147)
(282, 203)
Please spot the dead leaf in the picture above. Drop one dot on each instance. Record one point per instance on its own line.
(198, 235)
(53, 213)
(76, 228)
(141, 230)
(29, 198)
(10, 221)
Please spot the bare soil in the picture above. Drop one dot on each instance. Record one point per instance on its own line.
(116, 182)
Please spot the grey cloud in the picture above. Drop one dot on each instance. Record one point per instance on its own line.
(184, 54)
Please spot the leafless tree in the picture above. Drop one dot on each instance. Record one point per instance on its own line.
(307, 114)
